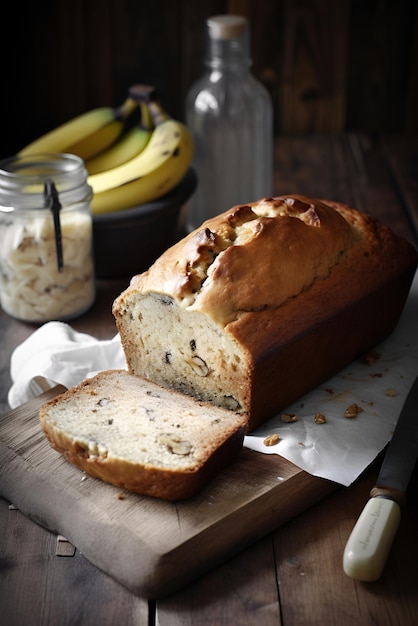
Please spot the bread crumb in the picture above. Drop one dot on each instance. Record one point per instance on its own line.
(392, 393)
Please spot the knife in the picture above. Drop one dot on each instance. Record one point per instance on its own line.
(371, 539)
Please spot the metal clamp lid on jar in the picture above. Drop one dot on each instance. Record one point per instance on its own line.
(22, 179)
(47, 181)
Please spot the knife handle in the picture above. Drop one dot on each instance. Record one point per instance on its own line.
(370, 541)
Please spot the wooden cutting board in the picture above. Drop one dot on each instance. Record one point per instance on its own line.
(150, 546)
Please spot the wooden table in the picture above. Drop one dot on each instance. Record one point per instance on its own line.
(292, 576)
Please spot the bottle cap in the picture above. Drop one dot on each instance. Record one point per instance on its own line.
(226, 26)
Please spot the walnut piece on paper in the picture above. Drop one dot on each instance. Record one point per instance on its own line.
(289, 418)
(370, 358)
(352, 411)
(319, 418)
(271, 440)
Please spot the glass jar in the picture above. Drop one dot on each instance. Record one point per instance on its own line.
(230, 116)
(46, 238)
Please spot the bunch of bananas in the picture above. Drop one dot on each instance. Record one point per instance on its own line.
(134, 153)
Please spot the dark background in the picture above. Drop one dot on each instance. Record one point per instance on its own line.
(330, 65)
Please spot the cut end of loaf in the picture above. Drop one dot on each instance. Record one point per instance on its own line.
(182, 350)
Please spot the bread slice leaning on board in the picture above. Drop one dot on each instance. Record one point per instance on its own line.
(227, 328)
(265, 302)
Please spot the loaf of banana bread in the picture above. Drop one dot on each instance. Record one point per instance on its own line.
(264, 302)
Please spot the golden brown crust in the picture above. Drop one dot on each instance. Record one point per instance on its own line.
(251, 257)
(375, 257)
(286, 244)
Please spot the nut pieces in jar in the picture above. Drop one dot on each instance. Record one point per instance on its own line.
(32, 288)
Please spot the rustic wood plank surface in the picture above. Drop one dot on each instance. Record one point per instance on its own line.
(38, 587)
(293, 576)
(174, 543)
(402, 156)
(315, 66)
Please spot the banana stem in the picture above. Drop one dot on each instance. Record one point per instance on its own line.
(123, 111)
(146, 122)
(157, 112)
(148, 94)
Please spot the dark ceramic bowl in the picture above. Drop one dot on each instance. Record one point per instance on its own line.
(127, 242)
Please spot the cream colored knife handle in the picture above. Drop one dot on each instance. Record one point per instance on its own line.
(371, 539)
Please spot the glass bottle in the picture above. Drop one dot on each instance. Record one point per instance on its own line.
(46, 241)
(230, 116)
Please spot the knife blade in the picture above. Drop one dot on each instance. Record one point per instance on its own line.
(371, 539)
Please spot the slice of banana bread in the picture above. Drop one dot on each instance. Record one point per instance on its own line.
(138, 436)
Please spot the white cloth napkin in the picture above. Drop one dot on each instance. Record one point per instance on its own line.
(61, 355)
(339, 450)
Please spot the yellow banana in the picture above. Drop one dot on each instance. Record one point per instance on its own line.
(100, 140)
(165, 141)
(125, 148)
(154, 184)
(85, 135)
